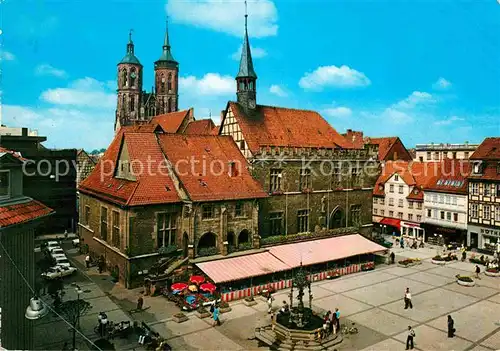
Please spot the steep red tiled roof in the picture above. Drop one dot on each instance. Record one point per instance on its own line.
(4, 151)
(413, 173)
(170, 122)
(384, 145)
(202, 165)
(152, 185)
(23, 212)
(355, 137)
(452, 177)
(276, 126)
(200, 127)
(215, 131)
(488, 150)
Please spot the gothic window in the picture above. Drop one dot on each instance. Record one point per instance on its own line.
(151, 110)
(276, 220)
(251, 86)
(162, 106)
(132, 77)
(169, 86)
(242, 86)
(166, 229)
(124, 78)
(275, 180)
(132, 104)
(303, 221)
(123, 101)
(162, 84)
(169, 105)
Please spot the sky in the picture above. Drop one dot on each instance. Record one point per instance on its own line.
(426, 71)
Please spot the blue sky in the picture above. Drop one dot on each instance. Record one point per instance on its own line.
(426, 71)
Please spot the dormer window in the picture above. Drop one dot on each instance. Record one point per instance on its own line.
(477, 168)
(4, 184)
(233, 169)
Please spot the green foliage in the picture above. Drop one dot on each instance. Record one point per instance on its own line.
(166, 250)
(207, 251)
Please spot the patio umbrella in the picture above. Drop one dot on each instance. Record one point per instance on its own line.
(193, 288)
(197, 279)
(208, 287)
(179, 286)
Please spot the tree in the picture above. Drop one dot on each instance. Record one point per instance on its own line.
(72, 310)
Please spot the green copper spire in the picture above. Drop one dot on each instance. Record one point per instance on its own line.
(130, 56)
(166, 54)
(246, 63)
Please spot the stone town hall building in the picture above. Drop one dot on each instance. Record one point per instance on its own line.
(135, 104)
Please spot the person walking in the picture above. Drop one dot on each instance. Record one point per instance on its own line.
(337, 317)
(215, 316)
(464, 255)
(402, 242)
(87, 261)
(409, 339)
(335, 322)
(140, 303)
(451, 327)
(270, 303)
(478, 270)
(393, 257)
(408, 299)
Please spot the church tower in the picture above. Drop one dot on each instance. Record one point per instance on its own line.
(129, 87)
(246, 78)
(166, 80)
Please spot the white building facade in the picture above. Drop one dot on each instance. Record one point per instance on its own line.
(439, 152)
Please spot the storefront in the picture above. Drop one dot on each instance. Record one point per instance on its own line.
(412, 230)
(483, 238)
(390, 226)
(448, 235)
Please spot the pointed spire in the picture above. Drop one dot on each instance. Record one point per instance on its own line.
(130, 56)
(166, 54)
(246, 63)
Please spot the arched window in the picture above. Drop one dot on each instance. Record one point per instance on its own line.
(124, 77)
(251, 85)
(163, 106)
(132, 104)
(169, 86)
(162, 84)
(133, 76)
(170, 109)
(246, 85)
(124, 101)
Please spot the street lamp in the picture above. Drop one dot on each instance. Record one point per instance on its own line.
(36, 309)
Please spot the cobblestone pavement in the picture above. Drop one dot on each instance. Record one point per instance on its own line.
(372, 300)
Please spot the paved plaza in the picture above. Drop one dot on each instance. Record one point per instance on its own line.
(374, 301)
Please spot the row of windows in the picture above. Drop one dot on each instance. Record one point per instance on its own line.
(400, 190)
(444, 199)
(489, 212)
(488, 189)
(443, 215)
(305, 179)
(401, 202)
(208, 210)
(446, 154)
(276, 220)
(399, 214)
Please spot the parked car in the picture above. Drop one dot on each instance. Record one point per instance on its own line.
(58, 272)
(57, 251)
(52, 244)
(62, 261)
(76, 242)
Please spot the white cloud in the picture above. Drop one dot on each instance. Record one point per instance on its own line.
(340, 112)
(48, 70)
(277, 90)
(414, 100)
(256, 53)
(441, 84)
(226, 16)
(7, 56)
(87, 92)
(448, 121)
(333, 76)
(210, 84)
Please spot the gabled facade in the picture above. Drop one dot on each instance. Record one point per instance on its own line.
(316, 179)
(156, 192)
(389, 148)
(84, 165)
(19, 216)
(398, 198)
(484, 197)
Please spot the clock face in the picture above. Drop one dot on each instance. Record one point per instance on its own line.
(251, 103)
(133, 75)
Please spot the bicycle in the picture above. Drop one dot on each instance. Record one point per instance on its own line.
(350, 330)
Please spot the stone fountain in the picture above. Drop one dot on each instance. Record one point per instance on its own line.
(296, 329)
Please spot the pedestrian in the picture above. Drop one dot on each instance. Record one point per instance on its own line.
(337, 316)
(409, 339)
(66, 234)
(451, 327)
(87, 261)
(478, 270)
(140, 303)
(464, 255)
(408, 299)
(402, 242)
(393, 257)
(330, 323)
(334, 322)
(212, 308)
(285, 308)
(215, 316)
(270, 299)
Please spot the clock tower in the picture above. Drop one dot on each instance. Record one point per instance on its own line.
(166, 80)
(246, 79)
(129, 88)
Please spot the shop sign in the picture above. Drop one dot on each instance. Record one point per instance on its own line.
(491, 232)
(409, 224)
